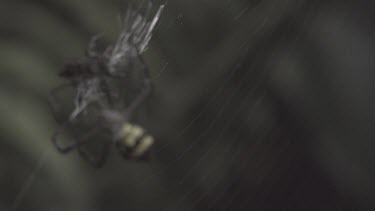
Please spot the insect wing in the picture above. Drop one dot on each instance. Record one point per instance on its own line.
(85, 128)
(133, 40)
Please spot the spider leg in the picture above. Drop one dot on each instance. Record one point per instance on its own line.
(79, 142)
(99, 162)
(77, 111)
(91, 50)
(146, 89)
(55, 141)
(53, 105)
(145, 92)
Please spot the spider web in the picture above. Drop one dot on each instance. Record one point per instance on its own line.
(224, 141)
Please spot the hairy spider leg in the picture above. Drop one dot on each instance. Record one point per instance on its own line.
(99, 162)
(53, 106)
(78, 142)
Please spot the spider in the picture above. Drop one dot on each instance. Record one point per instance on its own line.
(98, 84)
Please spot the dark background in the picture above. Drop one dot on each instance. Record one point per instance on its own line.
(257, 105)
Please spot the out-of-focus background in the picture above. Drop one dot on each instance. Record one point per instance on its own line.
(257, 105)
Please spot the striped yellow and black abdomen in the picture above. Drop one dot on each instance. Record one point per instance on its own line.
(134, 142)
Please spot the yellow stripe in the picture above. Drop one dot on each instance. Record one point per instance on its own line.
(143, 146)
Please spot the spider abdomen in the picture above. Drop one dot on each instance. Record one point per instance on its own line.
(134, 142)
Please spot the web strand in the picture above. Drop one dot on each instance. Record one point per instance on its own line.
(31, 178)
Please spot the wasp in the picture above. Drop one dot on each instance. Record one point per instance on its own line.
(103, 98)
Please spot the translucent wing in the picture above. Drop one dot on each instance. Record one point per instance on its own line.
(78, 110)
(134, 37)
(86, 127)
(87, 133)
(71, 129)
